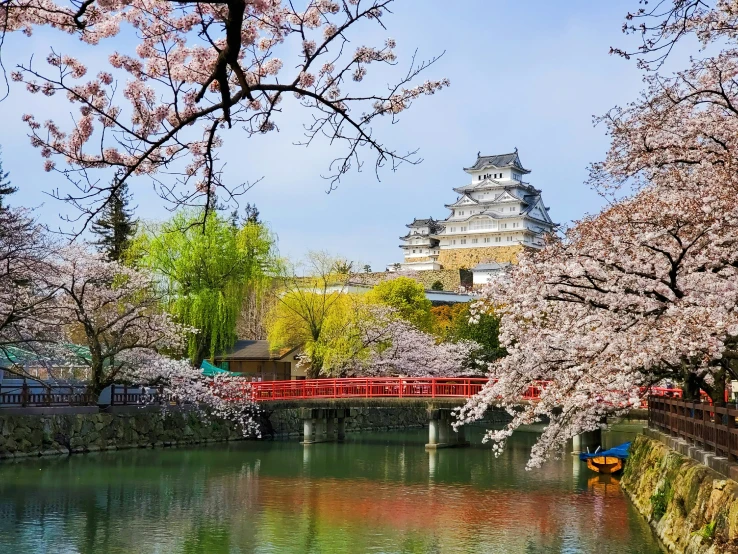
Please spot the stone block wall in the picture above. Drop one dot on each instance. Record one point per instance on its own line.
(287, 423)
(467, 258)
(33, 435)
(450, 278)
(692, 508)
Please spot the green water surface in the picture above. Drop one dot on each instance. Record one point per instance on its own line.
(378, 492)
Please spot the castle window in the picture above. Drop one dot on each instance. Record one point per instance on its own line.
(480, 177)
(453, 241)
(463, 241)
(497, 239)
(486, 239)
(474, 241)
(463, 229)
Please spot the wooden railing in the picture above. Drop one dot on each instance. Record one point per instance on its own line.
(25, 395)
(711, 427)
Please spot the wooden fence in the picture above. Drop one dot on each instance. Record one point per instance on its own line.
(711, 427)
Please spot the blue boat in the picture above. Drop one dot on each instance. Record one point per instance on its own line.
(606, 461)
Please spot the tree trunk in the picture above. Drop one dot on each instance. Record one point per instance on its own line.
(717, 394)
(316, 364)
(691, 390)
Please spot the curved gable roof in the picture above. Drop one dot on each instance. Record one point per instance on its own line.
(498, 160)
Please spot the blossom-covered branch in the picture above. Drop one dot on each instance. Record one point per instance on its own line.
(214, 65)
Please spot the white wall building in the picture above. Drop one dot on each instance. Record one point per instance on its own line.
(496, 209)
(419, 246)
(484, 273)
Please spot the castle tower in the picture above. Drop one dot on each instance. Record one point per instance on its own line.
(494, 217)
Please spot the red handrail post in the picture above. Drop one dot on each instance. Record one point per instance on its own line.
(433, 387)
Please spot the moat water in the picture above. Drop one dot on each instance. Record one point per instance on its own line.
(378, 493)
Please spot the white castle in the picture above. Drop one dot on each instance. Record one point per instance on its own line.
(493, 218)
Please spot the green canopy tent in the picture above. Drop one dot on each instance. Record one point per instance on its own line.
(209, 370)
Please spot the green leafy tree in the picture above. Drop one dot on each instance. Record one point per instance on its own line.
(115, 226)
(310, 300)
(407, 297)
(5, 187)
(206, 273)
(437, 285)
(486, 333)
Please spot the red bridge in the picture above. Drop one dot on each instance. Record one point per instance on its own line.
(326, 403)
(376, 387)
(399, 387)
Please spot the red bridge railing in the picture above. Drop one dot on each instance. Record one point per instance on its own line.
(402, 387)
(379, 387)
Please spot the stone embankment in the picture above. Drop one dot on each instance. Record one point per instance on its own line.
(288, 423)
(37, 435)
(33, 435)
(692, 508)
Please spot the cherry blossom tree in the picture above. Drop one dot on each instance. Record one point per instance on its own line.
(114, 311)
(392, 346)
(222, 397)
(199, 68)
(26, 310)
(647, 289)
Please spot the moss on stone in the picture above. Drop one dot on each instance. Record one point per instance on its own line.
(692, 508)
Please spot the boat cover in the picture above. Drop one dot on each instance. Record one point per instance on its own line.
(620, 452)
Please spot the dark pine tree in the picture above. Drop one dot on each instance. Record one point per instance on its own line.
(250, 215)
(115, 226)
(5, 188)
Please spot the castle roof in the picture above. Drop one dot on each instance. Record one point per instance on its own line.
(491, 266)
(499, 161)
(421, 222)
(464, 200)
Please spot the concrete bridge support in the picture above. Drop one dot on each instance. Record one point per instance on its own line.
(588, 440)
(324, 424)
(440, 432)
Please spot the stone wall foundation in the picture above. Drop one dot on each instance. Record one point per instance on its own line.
(692, 508)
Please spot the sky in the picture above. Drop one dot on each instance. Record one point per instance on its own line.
(524, 74)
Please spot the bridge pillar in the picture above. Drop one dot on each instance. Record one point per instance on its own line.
(308, 425)
(432, 433)
(588, 439)
(440, 432)
(341, 436)
(319, 424)
(330, 430)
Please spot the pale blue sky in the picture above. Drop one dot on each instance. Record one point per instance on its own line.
(526, 74)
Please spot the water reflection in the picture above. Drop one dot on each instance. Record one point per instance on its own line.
(377, 492)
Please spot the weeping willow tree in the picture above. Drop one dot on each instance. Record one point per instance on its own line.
(207, 272)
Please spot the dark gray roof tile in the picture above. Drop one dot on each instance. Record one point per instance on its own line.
(253, 350)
